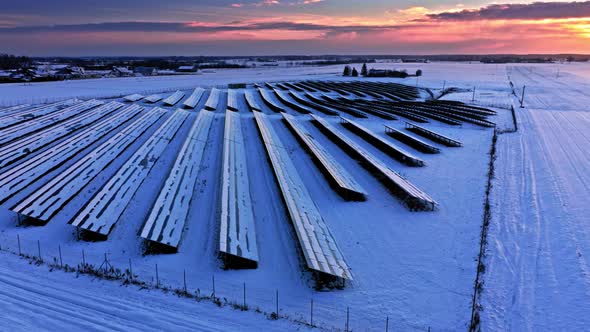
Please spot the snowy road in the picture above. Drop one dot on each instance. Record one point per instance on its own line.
(33, 299)
(538, 272)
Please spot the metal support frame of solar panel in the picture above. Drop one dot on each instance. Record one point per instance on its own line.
(337, 105)
(281, 86)
(305, 87)
(429, 114)
(441, 115)
(312, 105)
(153, 98)
(317, 244)
(237, 231)
(25, 146)
(433, 136)
(48, 200)
(232, 100)
(268, 99)
(29, 114)
(133, 98)
(412, 196)
(346, 86)
(348, 107)
(286, 99)
(100, 215)
(164, 226)
(20, 130)
(193, 100)
(380, 143)
(340, 179)
(343, 86)
(459, 114)
(326, 88)
(315, 86)
(269, 85)
(27, 172)
(213, 100)
(174, 98)
(470, 108)
(251, 101)
(414, 142)
(293, 86)
(387, 109)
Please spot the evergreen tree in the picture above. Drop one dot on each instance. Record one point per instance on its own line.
(355, 73)
(346, 71)
(364, 71)
(419, 72)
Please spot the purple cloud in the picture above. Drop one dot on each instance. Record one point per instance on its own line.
(533, 11)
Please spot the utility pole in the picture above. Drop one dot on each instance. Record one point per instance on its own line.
(522, 96)
(473, 98)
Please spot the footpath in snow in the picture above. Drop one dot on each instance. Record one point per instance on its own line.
(538, 269)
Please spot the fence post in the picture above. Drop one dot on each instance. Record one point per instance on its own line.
(311, 313)
(130, 270)
(18, 240)
(387, 324)
(277, 303)
(157, 277)
(39, 250)
(61, 262)
(213, 278)
(184, 277)
(347, 318)
(244, 296)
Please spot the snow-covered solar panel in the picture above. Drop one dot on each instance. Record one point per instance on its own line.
(174, 98)
(379, 142)
(286, 99)
(45, 202)
(435, 137)
(154, 98)
(167, 219)
(25, 173)
(237, 230)
(412, 141)
(20, 130)
(194, 98)
(7, 111)
(232, 100)
(29, 144)
(251, 101)
(213, 100)
(104, 210)
(317, 243)
(29, 113)
(414, 198)
(269, 100)
(133, 97)
(347, 186)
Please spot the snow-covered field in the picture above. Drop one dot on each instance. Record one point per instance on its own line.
(538, 272)
(417, 268)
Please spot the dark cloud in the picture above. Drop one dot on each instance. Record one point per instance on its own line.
(536, 10)
(186, 27)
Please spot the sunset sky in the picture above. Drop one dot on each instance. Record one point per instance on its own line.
(259, 27)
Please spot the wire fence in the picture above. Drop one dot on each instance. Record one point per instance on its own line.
(316, 313)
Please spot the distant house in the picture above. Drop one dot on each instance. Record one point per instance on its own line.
(145, 71)
(121, 72)
(187, 69)
(68, 73)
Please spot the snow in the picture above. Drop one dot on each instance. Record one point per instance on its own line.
(416, 268)
(194, 98)
(538, 272)
(36, 299)
(104, 210)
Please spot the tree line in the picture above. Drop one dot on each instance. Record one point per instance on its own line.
(9, 61)
(365, 72)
